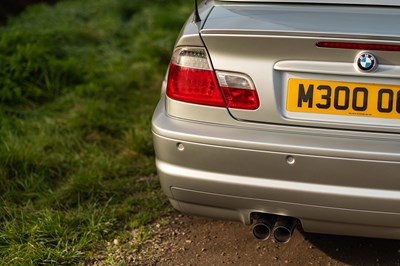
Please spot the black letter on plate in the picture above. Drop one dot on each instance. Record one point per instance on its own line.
(390, 103)
(365, 99)
(305, 97)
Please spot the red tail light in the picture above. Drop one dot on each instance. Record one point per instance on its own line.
(191, 79)
(238, 90)
(359, 46)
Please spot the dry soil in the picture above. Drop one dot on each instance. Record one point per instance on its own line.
(190, 240)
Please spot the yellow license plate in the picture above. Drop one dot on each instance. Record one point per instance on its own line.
(343, 98)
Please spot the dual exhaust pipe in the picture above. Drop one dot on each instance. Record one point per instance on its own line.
(280, 227)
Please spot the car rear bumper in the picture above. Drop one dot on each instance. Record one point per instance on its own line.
(333, 183)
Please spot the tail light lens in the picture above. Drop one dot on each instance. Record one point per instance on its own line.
(192, 79)
(239, 91)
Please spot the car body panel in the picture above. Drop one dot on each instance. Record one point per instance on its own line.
(340, 2)
(304, 19)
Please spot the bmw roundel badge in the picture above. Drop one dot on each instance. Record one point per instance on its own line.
(366, 61)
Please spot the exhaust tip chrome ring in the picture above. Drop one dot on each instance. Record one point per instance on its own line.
(283, 229)
(261, 231)
(282, 235)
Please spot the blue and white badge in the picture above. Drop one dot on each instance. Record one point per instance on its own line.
(366, 62)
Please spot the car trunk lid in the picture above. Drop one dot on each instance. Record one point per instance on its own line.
(276, 45)
(341, 2)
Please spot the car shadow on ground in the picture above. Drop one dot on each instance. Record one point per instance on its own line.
(357, 250)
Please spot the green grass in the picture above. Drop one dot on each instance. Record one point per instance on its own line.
(79, 82)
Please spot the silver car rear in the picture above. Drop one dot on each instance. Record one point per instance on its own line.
(274, 109)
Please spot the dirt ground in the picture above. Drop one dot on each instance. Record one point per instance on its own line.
(190, 240)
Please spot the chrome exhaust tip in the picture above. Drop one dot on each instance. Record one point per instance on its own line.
(283, 229)
(263, 227)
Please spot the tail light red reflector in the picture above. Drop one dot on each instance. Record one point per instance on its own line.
(192, 79)
(359, 46)
(238, 90)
